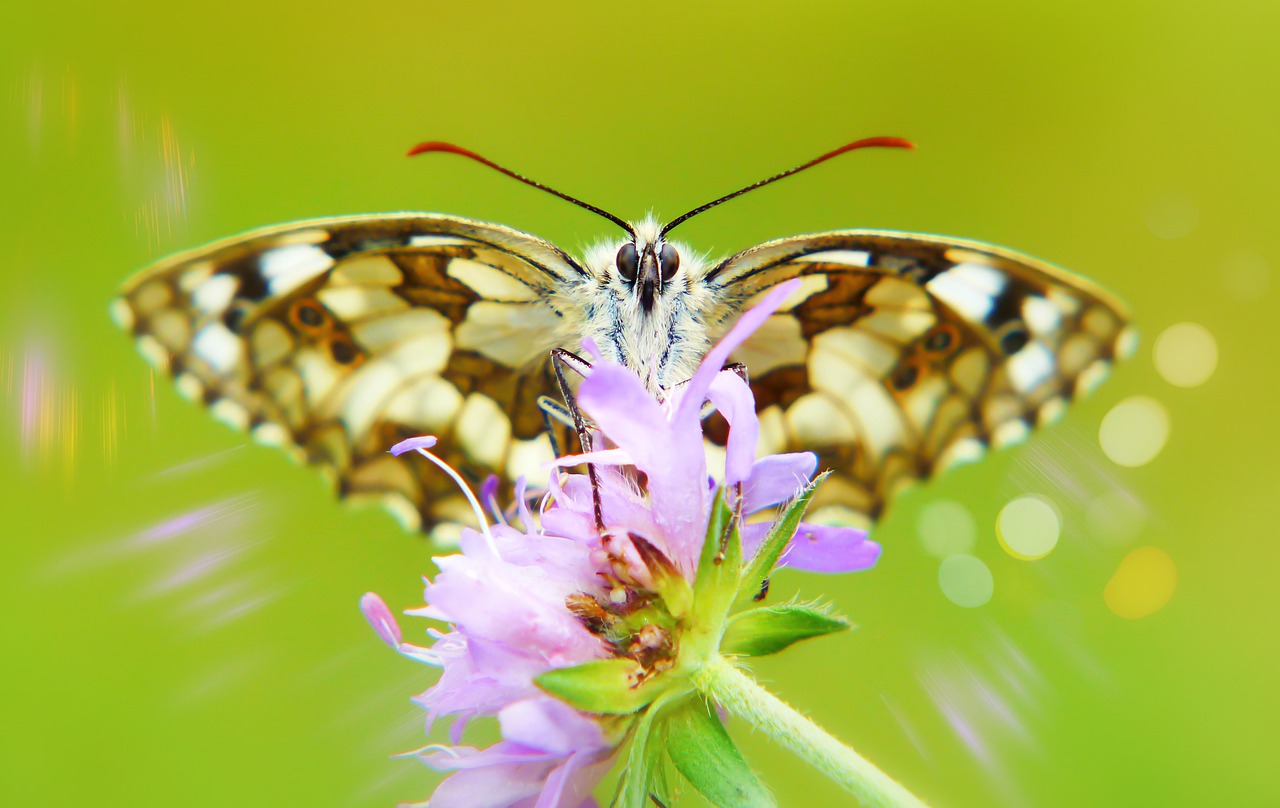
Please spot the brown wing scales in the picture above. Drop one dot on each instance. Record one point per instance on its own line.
(915, 353)
(336, 339)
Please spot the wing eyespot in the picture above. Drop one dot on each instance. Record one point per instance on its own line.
(309, 316)
(343, 350)
(905, 377)
(967, 345)
(1014, 338)
(941, 338)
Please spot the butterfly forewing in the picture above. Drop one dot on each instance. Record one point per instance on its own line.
(336, 338)
(902, 354)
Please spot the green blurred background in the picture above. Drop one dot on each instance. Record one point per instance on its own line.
(180, 609)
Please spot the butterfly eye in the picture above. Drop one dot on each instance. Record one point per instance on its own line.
(670, 262)
(628, 261)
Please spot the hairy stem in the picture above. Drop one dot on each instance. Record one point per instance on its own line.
(744, 697)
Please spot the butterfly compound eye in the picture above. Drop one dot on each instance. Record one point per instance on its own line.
(628, 261)
(670, 262)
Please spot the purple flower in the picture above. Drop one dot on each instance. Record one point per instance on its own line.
(665, 442)
(551, 755)
(566, 632)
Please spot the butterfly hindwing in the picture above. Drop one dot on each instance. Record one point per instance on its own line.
(904, 354)
(336, 338)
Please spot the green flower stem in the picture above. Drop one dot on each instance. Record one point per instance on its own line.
(744, 697)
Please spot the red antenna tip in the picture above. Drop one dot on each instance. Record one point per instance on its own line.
(873, 142)
(440, 146)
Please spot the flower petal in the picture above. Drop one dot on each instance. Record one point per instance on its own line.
(479, 678)
(489, 498)
(381, 619)
(462, 758)
(518, 605)
(603, 457)
(522, 505)
(498, 777)
(820, 548)
(817, 548)
(777, 478)
(732, 397)
(669, 452)
(550, 725)
(570, 784)
(624, 410)
(696, 390)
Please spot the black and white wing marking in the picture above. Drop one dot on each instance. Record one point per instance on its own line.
(904, 354)
(335, 338)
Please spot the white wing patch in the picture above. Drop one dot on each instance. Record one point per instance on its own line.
(922, 351)
(355, 303)
(215, 344)
(501, 331)
(489, 282)
(852, 258)
(287, 268)
(777, 343)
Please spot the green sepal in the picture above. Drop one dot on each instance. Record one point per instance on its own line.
(762, 563)
(644, 773)
(716, 584)
(606, 686)
(668, 581)
(718, 567)
(769, 629)
(703, 752)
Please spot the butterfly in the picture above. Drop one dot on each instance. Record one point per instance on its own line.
(899, 356)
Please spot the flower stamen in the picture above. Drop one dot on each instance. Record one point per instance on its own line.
(420, 445)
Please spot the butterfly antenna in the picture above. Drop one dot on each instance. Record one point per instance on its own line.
(879, 142)
(439, 146)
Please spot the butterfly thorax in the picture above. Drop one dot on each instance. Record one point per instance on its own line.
(647, 306)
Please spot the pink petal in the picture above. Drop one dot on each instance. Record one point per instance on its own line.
(479, 678)
(489, 498)
(549, 725)
(603, 457)
(777, 478)
(817, 548)
(570, 784)
(520, 606)
(591, 349)
(670, 453)
(732, 397)
(618, 402)
(696, 392)
(502, 780)
(381, 619)
(522, 505)
(463, 758)
(410, 444)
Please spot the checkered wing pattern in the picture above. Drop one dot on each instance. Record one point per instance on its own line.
(336, 338)
(902, 355)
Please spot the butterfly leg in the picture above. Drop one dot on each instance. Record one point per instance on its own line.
(555, 416)
(560, 359)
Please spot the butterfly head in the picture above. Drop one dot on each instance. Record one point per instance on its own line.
(645, 304)
(646, 266)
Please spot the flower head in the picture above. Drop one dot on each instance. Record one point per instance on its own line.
(582, 634)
